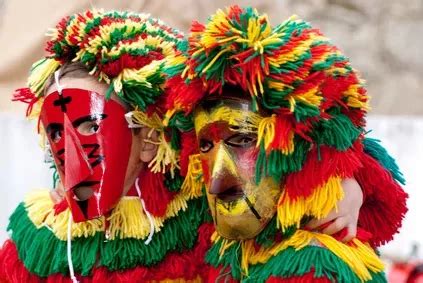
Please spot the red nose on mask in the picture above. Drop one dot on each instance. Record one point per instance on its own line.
(77, 167)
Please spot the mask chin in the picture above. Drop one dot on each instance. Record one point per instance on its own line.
(242, 231)
(247, 217)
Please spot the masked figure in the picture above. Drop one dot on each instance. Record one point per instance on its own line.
(126, 214)
(277, 116)
(96, 162)
(226, 131)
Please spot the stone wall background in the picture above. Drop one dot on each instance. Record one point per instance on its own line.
(383, 38)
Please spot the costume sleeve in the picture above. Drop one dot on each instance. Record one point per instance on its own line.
(384, 203)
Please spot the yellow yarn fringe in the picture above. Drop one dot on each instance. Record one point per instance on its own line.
(40, 72)
(41, 212)
(96, 43)
(355, 99)
(175, 60)
(165, 154)
(169, 114)
(359, 256)
(266, 131)
(296, 52)
(310, 97)
(36, 109)
(193, 182)
(127, 220)
(141, 118)
(266, 134)
(247, 121)
(139, 75)
(318, 204)
(277, 85)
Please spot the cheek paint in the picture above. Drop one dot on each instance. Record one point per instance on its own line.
(215, 131)
(206, 172)
(247, 162)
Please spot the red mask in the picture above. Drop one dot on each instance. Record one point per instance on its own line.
(91, 143)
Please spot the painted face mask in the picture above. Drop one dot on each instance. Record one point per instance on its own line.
(91, 143)
(227, 136)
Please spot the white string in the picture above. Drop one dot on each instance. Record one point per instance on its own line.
(56, 80)
(150, 218)
(69, 238)
(69, 249)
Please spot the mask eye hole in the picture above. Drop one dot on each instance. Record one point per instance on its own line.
(88, 128)
(56, 135)
(242, 140)
(54, 132)
(205, 145)
(89, 125)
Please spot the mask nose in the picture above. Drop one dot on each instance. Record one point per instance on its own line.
(224, 177)
(77, 167)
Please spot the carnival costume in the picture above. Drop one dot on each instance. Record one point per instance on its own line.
(155, 233)
(313, 138)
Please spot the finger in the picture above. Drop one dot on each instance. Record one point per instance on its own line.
(339, 224)
(315, 223)
(352, 232)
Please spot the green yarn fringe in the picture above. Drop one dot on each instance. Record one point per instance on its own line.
(288, 263)
(173, 184)
(268, 236)
(378, 152)
(43, 254)
(276, 164)
(141, 94)
(183, 122)
(338, 131)
(324, 263)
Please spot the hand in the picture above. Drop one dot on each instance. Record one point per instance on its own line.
(57, 194)
(347, 214)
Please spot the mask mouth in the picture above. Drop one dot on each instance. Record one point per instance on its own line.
(231, 194)
(84, 190)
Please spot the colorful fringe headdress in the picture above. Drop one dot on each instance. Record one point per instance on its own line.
(125, 50)
(315, 135)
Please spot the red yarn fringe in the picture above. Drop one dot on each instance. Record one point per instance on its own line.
(321, 163)
(182, 96)
(188, 265)
(25, 95)
(384, 204)
(188, 147)
(114, 68)
(283, 133)
(11, 268)
(306, 278)
(154, 193)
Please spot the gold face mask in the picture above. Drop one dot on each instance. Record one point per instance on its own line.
(227, 135)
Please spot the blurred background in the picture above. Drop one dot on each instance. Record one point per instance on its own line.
(383, 39)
